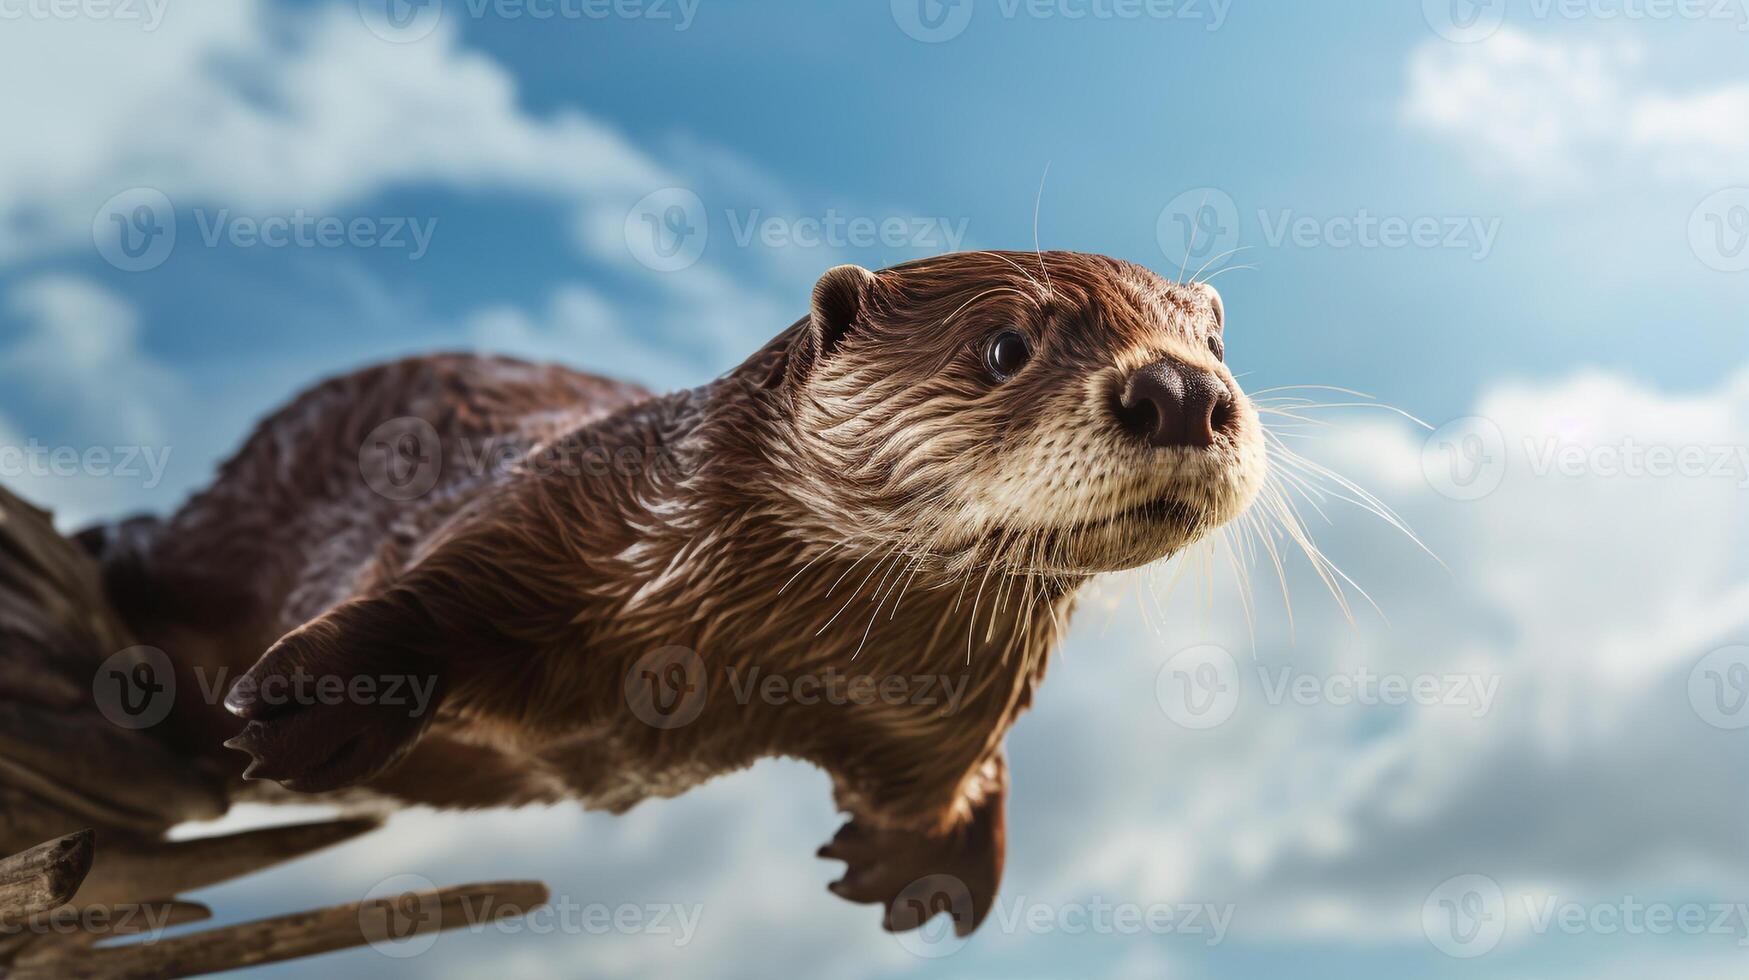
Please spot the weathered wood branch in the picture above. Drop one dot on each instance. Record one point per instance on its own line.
(66, 769)
(44, 877)
(399, 919)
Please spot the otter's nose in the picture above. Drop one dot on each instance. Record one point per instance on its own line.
(1172, 404)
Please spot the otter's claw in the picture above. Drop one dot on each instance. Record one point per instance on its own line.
(916, 876)
(320, 718)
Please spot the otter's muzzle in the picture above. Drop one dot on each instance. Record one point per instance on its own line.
(1169, 403)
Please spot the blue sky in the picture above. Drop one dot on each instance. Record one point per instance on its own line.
(1581, 174)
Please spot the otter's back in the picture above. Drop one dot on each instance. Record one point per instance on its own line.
(349, 472)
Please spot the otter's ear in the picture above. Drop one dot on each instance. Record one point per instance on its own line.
(838, 304)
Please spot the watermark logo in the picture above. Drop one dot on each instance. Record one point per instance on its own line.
(1199, 687)
(136, 688)
(1465, 917)
(667, 230)
(1366, 230)
(1198, 227)
(402, 458)
(1718, 230)
(919, 923)
(300, 229)
(401, 916)
(838, 230)
(667, 687)
(135, 231)
(1465, 459)
(36, 459)
(932, 21)
(935, 21)
(147, 13)
(401, 21)
(1718, 688)
(1464, 21)
(81, 924)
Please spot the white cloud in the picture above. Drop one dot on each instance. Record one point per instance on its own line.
(703, 322)
(1559, 112)
(80, 349)
(1589, 597)
(254, 109)
(79, 360)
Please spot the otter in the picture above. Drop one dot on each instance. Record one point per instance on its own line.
(583, 591)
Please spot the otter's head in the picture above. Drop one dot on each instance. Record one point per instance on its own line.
(1063, 413)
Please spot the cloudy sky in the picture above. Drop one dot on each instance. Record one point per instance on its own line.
(1525, 223)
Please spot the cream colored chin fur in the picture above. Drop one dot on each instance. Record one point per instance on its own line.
(1061, 501)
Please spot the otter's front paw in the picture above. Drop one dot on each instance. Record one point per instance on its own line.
(915, 876)
(322, 715)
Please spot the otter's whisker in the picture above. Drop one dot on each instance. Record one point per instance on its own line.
(877, 599)
(1190, 246)
(1036, 204)
(1027, 275)
(1378, 405)
(1221, 272)
(1356, 494)
(810, 564)
(1216, 258)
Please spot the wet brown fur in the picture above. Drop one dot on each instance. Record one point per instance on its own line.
(859, 495)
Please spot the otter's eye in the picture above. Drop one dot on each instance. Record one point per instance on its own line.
(1006, 354)
(1217, 347)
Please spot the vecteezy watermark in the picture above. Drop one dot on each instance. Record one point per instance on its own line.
(1718, 688)
(841, 688)
(1201, 226)
(667, 230)
(1467, 459)
(935, 21)
(1630, 459)
(1365, 230)
(403, 458)
(1198, 228)
(670, 686)
(1718, 230)
(1206, 921)
(412, 692)
(34, 459)
(1633, 916)
(835, 230)
(1464, 21)
(405, 21)
(144, 923)
(135, 688)
(1465, 917)
(402, 916)
(136, 230)
(301, 229)
(149, 14)
(1469, 915)
(1473, 692)
(928, 910)
(1469, 21)
(1201, 687)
